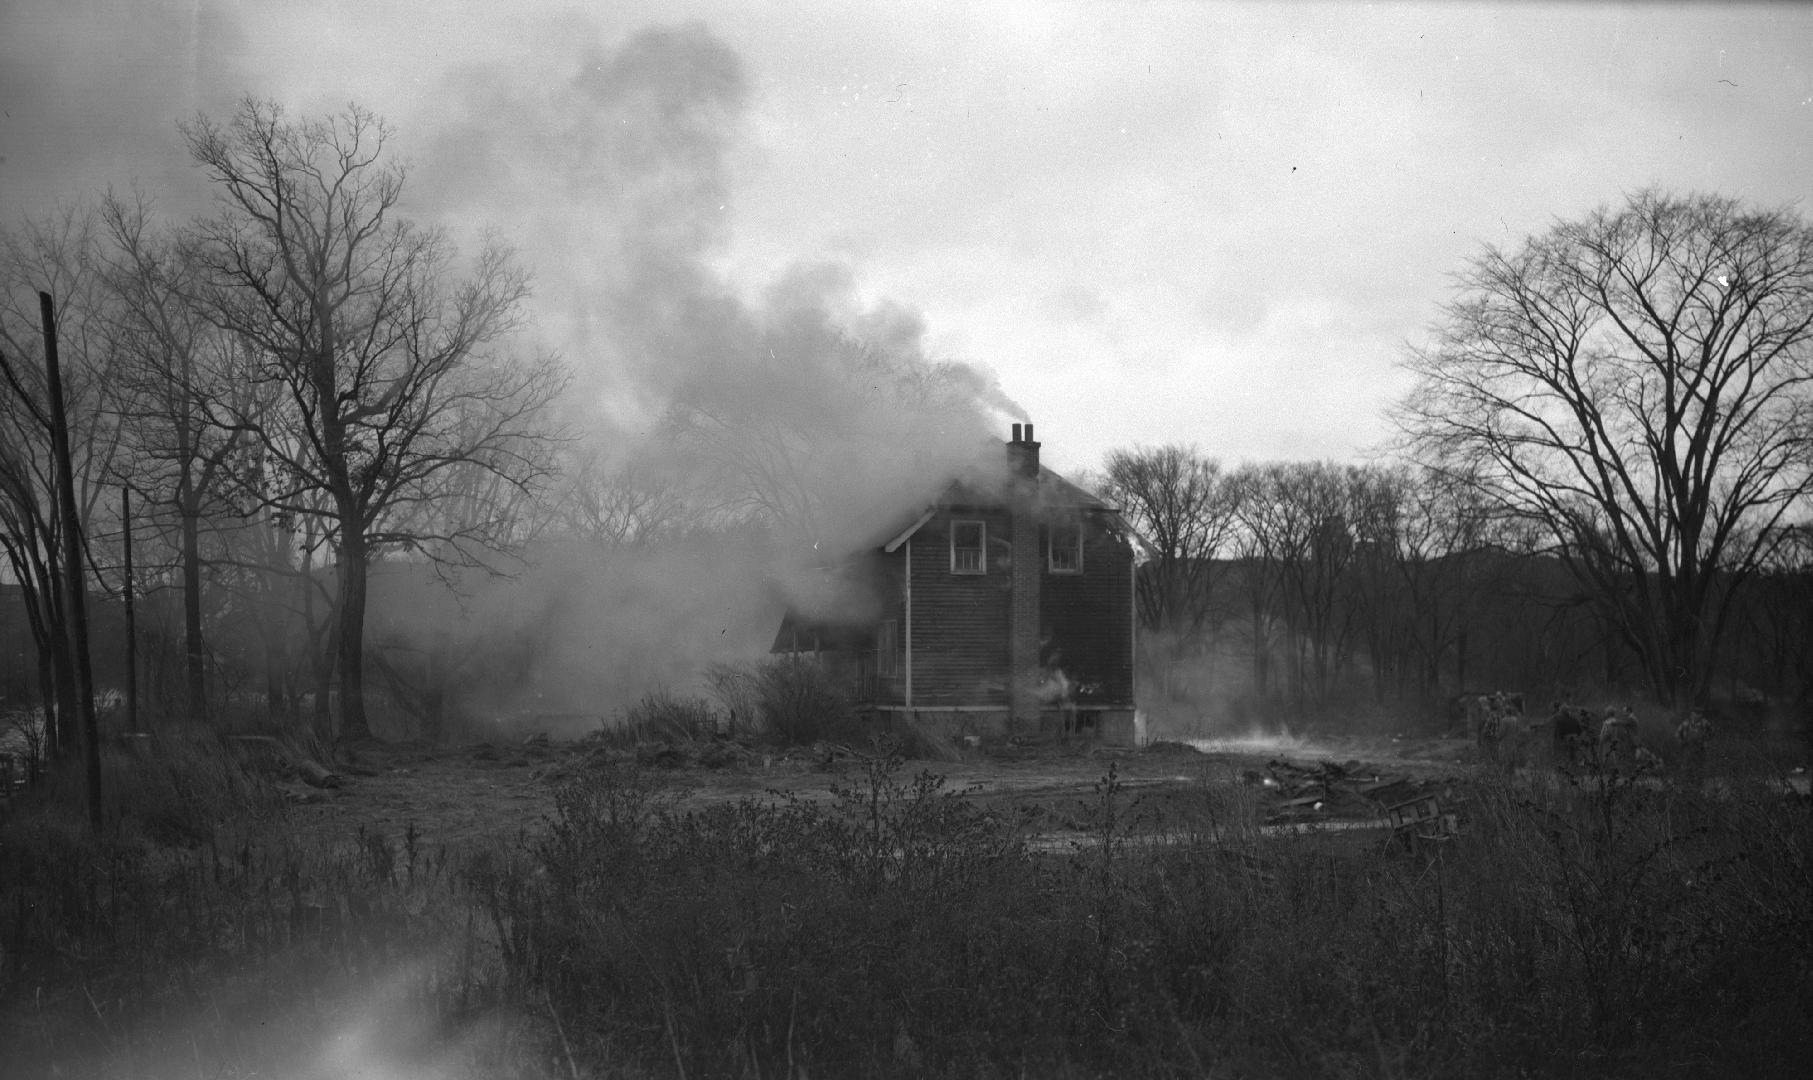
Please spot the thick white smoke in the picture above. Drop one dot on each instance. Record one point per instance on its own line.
(783, 428)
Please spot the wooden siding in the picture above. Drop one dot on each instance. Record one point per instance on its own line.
(1086, 621)
(961, 624)
(890, 589)
(960, 621)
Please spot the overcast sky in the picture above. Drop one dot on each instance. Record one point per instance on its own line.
(1211, 223)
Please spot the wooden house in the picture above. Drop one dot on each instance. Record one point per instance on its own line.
(1006, 607)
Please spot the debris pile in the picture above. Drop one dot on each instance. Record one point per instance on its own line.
(1335, 790)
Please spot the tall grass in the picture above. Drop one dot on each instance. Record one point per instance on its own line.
(898, 928)
(193, 936)
(790, 700)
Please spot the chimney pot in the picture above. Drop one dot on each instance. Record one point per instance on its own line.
(1023, 452)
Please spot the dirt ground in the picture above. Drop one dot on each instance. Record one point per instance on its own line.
(454, 796)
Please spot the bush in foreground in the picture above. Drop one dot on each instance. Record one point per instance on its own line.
(898, 930)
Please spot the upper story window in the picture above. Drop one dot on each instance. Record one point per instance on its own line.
(969, 540)
(1066, 552)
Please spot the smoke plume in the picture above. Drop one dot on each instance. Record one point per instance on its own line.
(794, 424)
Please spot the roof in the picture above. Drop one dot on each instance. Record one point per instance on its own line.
(1054, 492)
(802, 633)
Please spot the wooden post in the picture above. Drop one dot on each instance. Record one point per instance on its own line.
(72, 560)
(131, 622)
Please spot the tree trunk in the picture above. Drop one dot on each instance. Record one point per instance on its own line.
(273, 677)
(62, 664)
(323, 661)
(74, 580)
(353, 723)
(126, 586)
(320, 653)
(50, 694)
(1460, 661)
(194, 651)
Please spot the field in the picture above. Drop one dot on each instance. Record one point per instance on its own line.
(715, 908)
(491, 791)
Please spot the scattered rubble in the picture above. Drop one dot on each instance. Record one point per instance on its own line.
(1328, 790)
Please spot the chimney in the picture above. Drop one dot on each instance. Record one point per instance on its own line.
(1023, 452)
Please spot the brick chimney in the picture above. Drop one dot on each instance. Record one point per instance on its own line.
(1023, 452)
(1025, 577)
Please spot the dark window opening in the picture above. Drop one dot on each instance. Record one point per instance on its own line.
(1066, 549)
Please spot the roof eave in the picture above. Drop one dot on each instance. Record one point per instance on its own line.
(907, 533)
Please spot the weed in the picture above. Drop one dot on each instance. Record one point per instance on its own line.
(661, 717)
(894, 927)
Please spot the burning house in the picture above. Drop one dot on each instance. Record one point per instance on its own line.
(1003, 608)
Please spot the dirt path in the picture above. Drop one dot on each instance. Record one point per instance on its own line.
(460, 796)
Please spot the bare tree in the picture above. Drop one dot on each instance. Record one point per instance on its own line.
(57, 257)
(1184, 504)
(1422, 564)
(1637, 383)
(175, 365)
(1295, 518)
(384, 361)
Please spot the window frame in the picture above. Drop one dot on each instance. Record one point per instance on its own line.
(1052, 547)
(980, 548)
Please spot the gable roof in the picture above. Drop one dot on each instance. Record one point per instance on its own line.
(1054, 492)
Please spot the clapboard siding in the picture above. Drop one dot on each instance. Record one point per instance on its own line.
(960, 620)
(958, 630)
(1087, 621)
(891, 592)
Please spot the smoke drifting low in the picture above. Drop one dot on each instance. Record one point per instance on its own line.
(782, 429)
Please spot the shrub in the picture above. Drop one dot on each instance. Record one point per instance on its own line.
(737, 690)
(770, 935)
(895, 929)
(660, 716)
(801, 701)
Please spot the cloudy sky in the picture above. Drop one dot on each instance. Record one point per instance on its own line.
(1203, 222)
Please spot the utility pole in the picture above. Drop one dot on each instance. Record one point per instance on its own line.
(131, 622)
(72, 560)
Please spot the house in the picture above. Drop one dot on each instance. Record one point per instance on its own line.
(1003, 608)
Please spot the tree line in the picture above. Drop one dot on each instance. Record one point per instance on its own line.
(1303, 589)
(1600, 484)
(337, 441)
(291, 385)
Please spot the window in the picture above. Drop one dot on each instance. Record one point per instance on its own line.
(887, 648)
(1066, 549)
(968, 541)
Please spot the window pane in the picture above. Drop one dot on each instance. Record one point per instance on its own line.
(1066, 548)
(967, 542)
